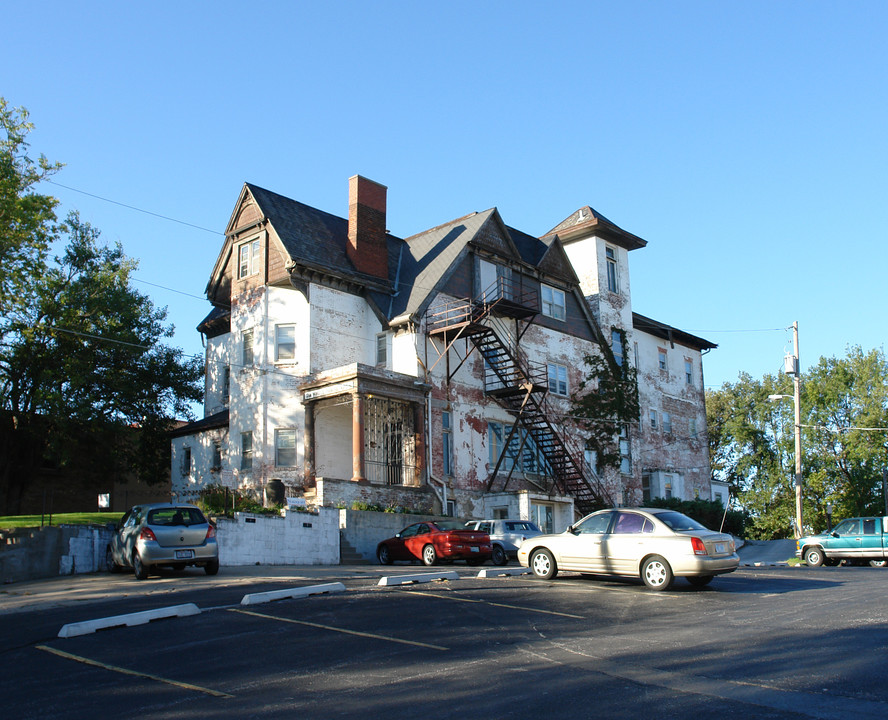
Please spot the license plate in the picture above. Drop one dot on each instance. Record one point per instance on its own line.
(719, 547)
(474, 549)
(184, 554)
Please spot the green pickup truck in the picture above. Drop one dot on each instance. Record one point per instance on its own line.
(856, 540)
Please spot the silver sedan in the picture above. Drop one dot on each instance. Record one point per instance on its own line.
(653, 544)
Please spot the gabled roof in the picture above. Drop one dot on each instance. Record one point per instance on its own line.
(427, 258)
(588, 221)
(313, 238)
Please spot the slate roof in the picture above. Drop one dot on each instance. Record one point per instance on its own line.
(314, 238)
(218, 420)
(667, 332)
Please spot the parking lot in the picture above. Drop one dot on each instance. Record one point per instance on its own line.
(761, 642)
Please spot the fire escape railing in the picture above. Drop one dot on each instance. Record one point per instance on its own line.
(519, 385)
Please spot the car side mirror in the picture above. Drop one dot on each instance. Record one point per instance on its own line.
(571, 529)
(835, 535)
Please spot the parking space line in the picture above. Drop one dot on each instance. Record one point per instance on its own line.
(135, 673)
(339, 630)
(495, 604)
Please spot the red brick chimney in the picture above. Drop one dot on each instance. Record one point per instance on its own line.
(366, 226)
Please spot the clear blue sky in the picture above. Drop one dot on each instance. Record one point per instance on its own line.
(746, 142)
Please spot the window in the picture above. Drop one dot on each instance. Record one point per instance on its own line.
(247, 356)
(500, 513)
(653, 416)
(667, 423)
(553, 302)
(661, 358)
(611, 257)
(667, 486)
(246, 451)
(498, 434)
(285, 342)
(186, 461)
(692, 427)
(381, 349)
(617, 345)
(447, 442)
(625, 452)
(285, 448)
(557, 379)
(217, 455)
(591, 458)
(689, 372)
(248, 259)
(226, 384)
(523, 454)
(451, 509)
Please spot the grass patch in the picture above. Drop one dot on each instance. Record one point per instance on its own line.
(82, 518)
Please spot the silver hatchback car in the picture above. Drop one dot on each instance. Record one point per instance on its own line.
(163, 534)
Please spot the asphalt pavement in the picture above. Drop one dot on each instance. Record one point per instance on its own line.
(767, 552)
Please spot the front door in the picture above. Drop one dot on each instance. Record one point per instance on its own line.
(845, 540)
(583, 548)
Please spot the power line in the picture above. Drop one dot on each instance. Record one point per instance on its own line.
(133, 207)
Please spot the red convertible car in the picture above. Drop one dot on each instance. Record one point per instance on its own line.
(433, 541)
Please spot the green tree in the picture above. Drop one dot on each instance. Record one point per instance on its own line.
(844, 410)
(27, 218)
(86, 383)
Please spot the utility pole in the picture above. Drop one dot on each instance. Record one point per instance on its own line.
(797, 401)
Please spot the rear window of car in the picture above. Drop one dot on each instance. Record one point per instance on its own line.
(450, 525)
(176, 516)
(678, 522)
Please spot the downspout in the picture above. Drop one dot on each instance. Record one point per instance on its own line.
(442, 496)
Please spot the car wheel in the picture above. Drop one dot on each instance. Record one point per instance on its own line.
(429, 556)
(700, 580)
(814, 557)
(878, 563)
(543, 564)
(140, 569)
(383, 555)
(499, 555)
(656, 573)
(110, 562)
(212, 567)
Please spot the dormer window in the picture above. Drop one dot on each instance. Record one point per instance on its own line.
(553, 303)
(248, 259)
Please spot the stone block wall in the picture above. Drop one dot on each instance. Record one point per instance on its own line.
(32, 553)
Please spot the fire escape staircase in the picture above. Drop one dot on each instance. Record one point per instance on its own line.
(520, 386)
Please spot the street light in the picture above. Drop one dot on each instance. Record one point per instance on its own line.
(791, 367)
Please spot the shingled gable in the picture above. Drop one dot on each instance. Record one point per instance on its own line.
(556, 263)
(587, 221)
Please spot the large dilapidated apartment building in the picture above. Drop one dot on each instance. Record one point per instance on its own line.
(434, 372)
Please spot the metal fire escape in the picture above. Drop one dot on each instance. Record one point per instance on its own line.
(519, 385)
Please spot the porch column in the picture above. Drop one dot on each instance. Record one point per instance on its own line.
(308, 445)
(358, 438)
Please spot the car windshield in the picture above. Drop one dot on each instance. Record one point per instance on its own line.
(678, 522)
(450, 525)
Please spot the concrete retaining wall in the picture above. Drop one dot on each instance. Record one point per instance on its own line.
(364, 529)
(297, 539)
(31, 553)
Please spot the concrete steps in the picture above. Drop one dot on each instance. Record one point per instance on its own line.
(348, 555)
